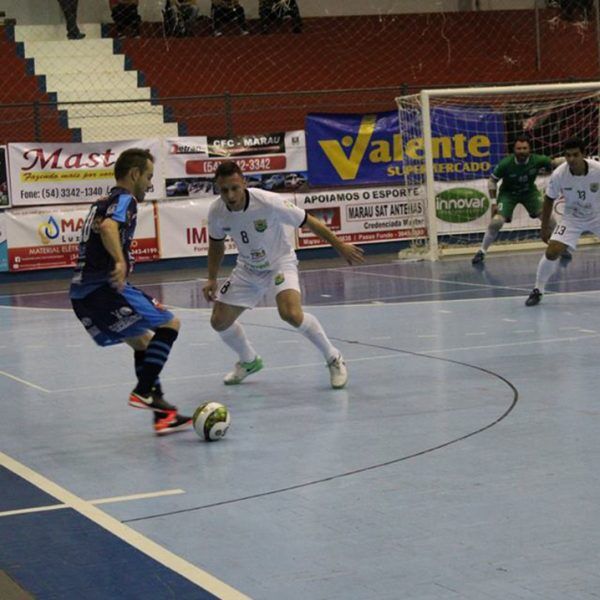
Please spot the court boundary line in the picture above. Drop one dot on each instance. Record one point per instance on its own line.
(130, 536)
(109, 500)
(359, 304)
(24, 382)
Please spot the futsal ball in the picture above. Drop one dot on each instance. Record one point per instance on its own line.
(211, 421)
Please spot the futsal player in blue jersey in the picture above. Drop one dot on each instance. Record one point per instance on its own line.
(113, 311)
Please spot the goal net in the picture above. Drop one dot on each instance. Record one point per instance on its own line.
(452, 139)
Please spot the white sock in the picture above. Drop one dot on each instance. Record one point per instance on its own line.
(235, 337)
(488, 239)
(545, 270)
(311, 329)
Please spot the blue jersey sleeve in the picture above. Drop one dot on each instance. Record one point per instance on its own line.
(118, 210)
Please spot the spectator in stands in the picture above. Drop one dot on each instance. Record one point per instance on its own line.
(576, 10)
(275, 11)
(180, 17)
(226, 11)
(126, 17)
(69, 8)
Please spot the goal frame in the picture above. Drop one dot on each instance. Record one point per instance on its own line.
(425, 97)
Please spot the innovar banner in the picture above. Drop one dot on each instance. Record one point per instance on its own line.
(371, 148)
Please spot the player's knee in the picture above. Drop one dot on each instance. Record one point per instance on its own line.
(218, 322)
(293, 316)
(174, 323)
(554, 250)
(496, 223)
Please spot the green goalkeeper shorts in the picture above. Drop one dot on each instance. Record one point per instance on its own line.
(531, 201)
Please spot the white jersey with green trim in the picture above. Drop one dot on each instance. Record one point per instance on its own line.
(263, 231)
(580, 192)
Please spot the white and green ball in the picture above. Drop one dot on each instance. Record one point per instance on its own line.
(211, 421)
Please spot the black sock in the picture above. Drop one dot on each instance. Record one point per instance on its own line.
(138, 356)
(153, 360)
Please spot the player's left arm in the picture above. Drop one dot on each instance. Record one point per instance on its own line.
(111, 240)
(352, 254)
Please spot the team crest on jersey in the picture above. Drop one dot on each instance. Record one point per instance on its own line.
(260, 225)
(279, 278)
(594, 187)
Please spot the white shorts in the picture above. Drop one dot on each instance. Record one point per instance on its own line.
(569, 230)
(246, 287)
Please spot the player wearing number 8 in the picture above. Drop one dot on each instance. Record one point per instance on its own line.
(261, 225)
(578, 182)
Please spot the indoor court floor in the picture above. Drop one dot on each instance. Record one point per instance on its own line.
(461, 461)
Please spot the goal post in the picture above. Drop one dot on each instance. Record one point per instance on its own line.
(453, 139)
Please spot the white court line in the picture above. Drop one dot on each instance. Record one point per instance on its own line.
(125, 533)
(24, 511)
(36, 308)
(24, 382)
(432, 280)
(397, 355)
(365, 303)
(508, 344)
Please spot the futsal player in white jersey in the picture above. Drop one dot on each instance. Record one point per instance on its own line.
(578, 182)
(261, 225)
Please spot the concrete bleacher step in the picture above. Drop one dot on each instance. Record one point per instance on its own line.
(101, 94)
(32, 33)
(125, 80)
(69, 49)
(89, 71)
(114, 63)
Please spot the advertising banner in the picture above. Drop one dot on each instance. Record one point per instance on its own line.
(3, 245)
(71, 173)
(183, 228)
(372, 149)
(4, 187)
(272, 161)
(365, 215)
(465, 207)
(39, 238)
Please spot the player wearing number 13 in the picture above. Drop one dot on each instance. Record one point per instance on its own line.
(261, 225)
(578, 182)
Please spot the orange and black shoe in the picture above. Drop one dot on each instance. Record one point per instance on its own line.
(170, 422)
(153, 401)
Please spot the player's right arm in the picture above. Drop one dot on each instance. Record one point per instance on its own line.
(111, 240)
(495, 177)
(553, 191)
(546, 229)
(216, 251)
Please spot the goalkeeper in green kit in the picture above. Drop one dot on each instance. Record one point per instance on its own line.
(518, 172)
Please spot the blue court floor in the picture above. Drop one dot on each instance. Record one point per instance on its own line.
(461, 461)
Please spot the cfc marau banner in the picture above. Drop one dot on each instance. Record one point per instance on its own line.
(373, 149)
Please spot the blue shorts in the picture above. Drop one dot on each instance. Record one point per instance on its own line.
(111, 317)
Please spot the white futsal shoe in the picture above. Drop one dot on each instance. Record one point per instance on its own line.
(338, 372)
(242, 370)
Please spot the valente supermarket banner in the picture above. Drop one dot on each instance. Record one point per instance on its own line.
(369, 148)
(71, 173)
